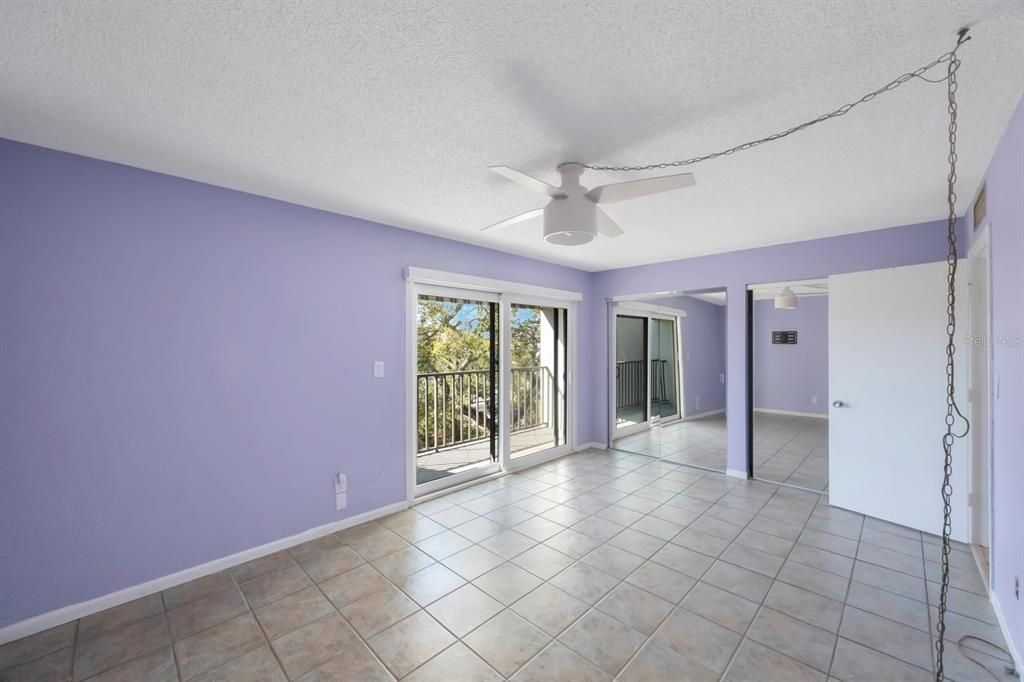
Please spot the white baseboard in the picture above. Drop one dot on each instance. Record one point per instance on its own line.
(700, 415)
(736, 473)
(792, 413)
(1011, 646)
(66, 614)
(594, 444)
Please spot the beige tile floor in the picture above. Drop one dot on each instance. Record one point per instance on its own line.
(698, 441)
(597, 566)
(791, 449)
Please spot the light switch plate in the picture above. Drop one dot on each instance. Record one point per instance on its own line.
(378, 369)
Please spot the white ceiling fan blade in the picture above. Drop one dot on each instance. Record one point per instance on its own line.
(527, 181)
(631, 189)
(535, 213)
(607, 226)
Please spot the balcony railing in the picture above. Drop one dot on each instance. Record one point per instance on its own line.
(631, 382)
(454, 408)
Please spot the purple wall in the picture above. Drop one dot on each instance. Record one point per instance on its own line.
(1005, 189)
(906, 245)
(704, 345)
(185, 367)
(786, 376)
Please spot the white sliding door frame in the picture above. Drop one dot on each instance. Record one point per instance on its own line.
(508, 463)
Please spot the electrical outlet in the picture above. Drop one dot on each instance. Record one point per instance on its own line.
(721, 378)
(814, 400)
(378, 369)
(1016, 587)
(340, 501)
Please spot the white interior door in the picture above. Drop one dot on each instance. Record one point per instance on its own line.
(887, 381)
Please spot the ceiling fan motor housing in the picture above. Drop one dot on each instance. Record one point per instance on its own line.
(570, 221)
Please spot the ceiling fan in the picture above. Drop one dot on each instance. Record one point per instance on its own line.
(572, 216)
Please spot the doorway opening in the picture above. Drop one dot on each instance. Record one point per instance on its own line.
(491, 387)
(979, 395)
(667, 377)
(789, 358)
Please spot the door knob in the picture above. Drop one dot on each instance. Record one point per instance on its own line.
(838, 403)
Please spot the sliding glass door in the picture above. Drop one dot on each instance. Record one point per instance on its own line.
(631, 352)
(457, 356)
(537, 393)
(647, 386)
(492, 384)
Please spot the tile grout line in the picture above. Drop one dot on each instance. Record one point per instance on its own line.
(574, 562)
(846, 598)
(74, 646)
(593, 607)
(174, 652)
(252, 612)
(746, 632)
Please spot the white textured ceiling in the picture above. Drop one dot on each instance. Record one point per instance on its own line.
(393, 110)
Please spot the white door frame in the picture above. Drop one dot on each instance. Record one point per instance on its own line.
(507, 462)
(648, 311)
(980, 470)
(504, 293)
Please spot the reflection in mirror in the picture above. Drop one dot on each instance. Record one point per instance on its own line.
(790, 367)
(669, 377)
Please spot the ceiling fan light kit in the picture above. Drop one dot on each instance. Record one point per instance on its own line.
(570, 223)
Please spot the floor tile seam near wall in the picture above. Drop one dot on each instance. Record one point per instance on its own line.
(174, 652)
(74, 644)
(78, 641)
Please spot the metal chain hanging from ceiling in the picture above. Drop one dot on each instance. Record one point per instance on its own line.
(952, 409)
(947, 58)
(952, 62)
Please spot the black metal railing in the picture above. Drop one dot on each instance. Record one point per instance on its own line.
(631, 382)
(454, 408)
